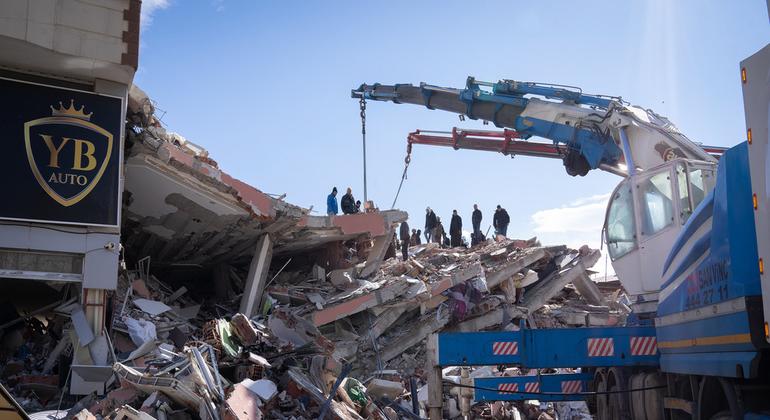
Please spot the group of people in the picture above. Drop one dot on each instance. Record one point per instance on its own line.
(349, 204)
(434, 229)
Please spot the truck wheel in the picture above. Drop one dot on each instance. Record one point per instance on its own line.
(722, 415)
(716, 397)
(601, 401)
(615, 410)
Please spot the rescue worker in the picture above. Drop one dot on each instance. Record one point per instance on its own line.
(413, 238)
(455, 229)
(430, 224)
(404, 236)
(476, 221)
(418, 237)
(500, 221)
(348, 203)
(438, 232)
(331, 203)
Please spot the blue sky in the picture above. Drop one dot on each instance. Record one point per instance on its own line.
(265, 87)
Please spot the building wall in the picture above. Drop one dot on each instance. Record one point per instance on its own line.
(79, 39)
(86, 44)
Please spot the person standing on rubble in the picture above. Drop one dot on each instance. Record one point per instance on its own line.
(438, 232)
(331, 203)
(348, 203)
(476, 221)
(416, 240)
(404, 236)
(430, 224)
(455, 229)
(500, 221)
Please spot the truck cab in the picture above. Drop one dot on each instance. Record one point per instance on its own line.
(645, 214)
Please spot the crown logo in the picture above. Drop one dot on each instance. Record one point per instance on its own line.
(70, 111)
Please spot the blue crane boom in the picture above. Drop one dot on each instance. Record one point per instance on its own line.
(593, 127)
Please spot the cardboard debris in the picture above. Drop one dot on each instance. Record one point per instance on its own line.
(151, 307)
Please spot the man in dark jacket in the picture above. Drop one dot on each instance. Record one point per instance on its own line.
(455, 229)
(430, 224)
(403, 234)
(348, 203)
(476, 220)
(501, 221)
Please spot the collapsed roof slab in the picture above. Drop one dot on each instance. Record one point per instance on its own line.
(180, 209)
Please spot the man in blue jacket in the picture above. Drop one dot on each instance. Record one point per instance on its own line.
(331, 202)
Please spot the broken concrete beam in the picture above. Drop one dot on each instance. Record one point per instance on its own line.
(457, 277)
(509, 288)
(255, 281)
(382, 388)
(589, 290)
(548, 287)
(431, 303)
(497, 316)
(377, 253)
(414, 336)
(504, 271)
(360, 303)
(389, 317)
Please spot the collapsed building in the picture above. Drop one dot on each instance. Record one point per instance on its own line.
(143, 281)
(232, 303)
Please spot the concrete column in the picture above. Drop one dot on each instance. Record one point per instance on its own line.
(377, 253)
(435, 389)
(255, 280)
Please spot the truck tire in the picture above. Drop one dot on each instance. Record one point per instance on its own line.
(722, 415)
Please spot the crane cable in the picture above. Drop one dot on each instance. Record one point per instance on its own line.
(362, 106)
(407, 160)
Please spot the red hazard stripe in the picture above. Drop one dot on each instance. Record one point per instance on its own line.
(505, 348)
(601, 347)
(644, 346)
(570, 387)
(532, 387)
(507, 388)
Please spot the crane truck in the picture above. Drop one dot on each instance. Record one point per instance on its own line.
(687, 230)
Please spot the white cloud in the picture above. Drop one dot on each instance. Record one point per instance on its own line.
(149, 7)
(582, 215)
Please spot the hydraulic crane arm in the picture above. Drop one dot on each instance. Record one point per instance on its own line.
(507, 142)
(597, 131)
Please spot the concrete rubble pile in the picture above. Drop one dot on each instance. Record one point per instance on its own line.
(323, 344)
(380, 324)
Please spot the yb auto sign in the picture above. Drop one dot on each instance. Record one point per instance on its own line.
(60, 158)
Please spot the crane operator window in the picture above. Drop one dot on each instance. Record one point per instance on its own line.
(621, 230)
(657, 207)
